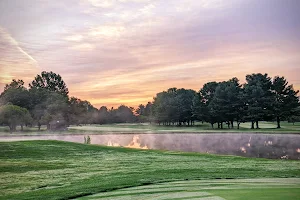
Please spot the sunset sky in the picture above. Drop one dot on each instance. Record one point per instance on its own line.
(113, 52)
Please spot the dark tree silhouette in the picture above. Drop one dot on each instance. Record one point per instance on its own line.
(285, 99)
(50, 81)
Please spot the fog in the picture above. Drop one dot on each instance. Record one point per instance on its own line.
(275, 146)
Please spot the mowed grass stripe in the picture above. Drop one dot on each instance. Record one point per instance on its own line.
(199, 188)
(200, 198)
(253, 180)
(204, 189)
(205, 186)
(146, 191)
(201, 183)
(261, 193)
(156, 195)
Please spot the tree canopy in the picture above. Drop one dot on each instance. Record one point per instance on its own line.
(12, 115)
(50, 81)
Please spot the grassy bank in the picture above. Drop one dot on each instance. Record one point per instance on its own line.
(265, 127)
(62, 170)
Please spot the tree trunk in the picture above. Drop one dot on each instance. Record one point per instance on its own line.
(252, 125)
(212, 125)
(218, 125)
(48, 126)
(257, 127)
(231, 124)
(221, 125)
(39, 126)
(238, 125)
(12, 128)
(278, 122)
(22, 127)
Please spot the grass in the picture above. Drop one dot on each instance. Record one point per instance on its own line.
(265, 127)
(212, 189)
(64, 170)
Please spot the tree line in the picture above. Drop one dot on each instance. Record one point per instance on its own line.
(46, 101)
(261, 98)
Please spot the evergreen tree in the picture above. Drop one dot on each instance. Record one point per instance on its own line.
(259, 98)
(286, 99)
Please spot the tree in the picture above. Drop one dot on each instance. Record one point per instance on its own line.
(236, 105)
(219, 105)
(140, 113)
(197, 108)
(123, 114)
(174, 106)
(26, 119)
(14, 84)
(13, 115)
(259, 98)
(140, 110)
(16, 94)
(148, 109)
(49, 107)
(160, 107)
(81, 112)
(39, 99)
(184, 101)
(144, 113)
(76, 111)
(50, 81)
(104, 115)
(286, 99)
(90, 114)
(166, 107)
(295, 116)
(227, 102)
(206, 96)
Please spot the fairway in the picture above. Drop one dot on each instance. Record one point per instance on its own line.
(265, 127)
(65, 170)
(141, 128)
(288, 189)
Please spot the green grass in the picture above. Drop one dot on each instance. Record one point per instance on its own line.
(268, 127)
(265, 127)
(288, 189)
(63, 170)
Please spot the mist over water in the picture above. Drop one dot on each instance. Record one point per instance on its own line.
(276, 146)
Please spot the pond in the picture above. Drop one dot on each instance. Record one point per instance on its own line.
(276, 146)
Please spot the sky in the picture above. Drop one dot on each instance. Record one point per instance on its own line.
(113, 52)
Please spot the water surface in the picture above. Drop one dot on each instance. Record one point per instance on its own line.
(285, 146)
